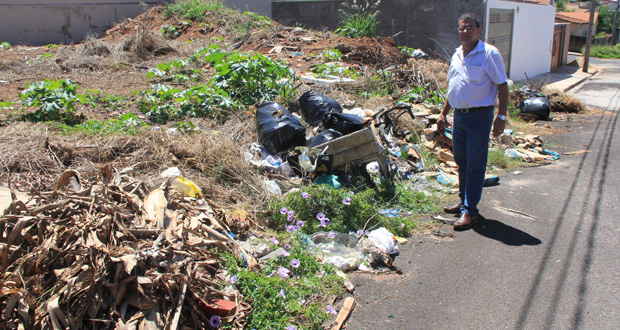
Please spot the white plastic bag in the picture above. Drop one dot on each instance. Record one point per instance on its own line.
(383, 239)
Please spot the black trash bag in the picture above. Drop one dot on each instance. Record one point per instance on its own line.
(323, 137)
(538, 106)
(278, 131)
(314, 106)
(344, 123)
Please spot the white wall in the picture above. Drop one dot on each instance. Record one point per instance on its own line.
(532, 37)
(38, 22)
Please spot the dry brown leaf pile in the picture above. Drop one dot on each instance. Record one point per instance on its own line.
(112, 254)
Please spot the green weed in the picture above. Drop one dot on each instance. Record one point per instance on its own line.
(601, 51)
(5, 45)
(323, 70)
(498, 159)
(54, 100)
(125, 124)
(45, 55)
(106, 101)
(424, 93)
(176, 70)
(348, 211)
(330, 55)
(174, 31)
(193, 10)
(298, 299)
(162, 103)
(359, 19)
(250, 78)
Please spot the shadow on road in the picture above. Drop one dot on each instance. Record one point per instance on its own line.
(504, 233)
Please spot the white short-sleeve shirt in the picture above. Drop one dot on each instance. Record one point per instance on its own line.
(473, 80)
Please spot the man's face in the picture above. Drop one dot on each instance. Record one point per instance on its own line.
(468, 32)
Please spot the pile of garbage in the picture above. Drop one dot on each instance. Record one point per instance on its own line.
(113, 254)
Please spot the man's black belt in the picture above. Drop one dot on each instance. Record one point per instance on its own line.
(468, 110)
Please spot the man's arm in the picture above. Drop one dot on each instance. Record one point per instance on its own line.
(502, 95)
(442, 122)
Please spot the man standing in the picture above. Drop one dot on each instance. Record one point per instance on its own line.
(477, 78)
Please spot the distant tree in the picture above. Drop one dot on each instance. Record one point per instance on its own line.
(605, 19)
(560, 5)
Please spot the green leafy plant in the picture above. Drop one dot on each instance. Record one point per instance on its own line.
(126, 124)
(424, 93)
(330, 55)
(178, 70)
(186, 127)
(250, 78)
(348, 211)
(193, 10)
(104, 100)
(602, 51)
(53, 99)
(288, 289)
(162, 103)
(359, 18)
(174, 31)
(45, 55)
(7, 105)
(51, 46)
(5, 45)
(323, 70)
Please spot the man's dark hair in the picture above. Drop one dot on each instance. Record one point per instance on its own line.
(470, 16)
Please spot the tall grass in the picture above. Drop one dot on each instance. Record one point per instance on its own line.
(602, 51)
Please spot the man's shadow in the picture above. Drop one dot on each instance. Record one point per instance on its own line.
(504, 233)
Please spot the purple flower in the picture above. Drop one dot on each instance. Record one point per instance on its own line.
(291, 228)
(402, 225)
(155, 128)
(346, 201)
(295, 263)
(284, 272)
(324, 222)
(233, 279)
(305, 194)
(331, 234)
(287, 246)
(359, 232)
(320, 215)
(285, 254)
(291, 213)
(291, 327)
(282, 294)
(289, 217)
(300, 224)
(275, 241)
(215, 321)
(283, 210)
(331, 310)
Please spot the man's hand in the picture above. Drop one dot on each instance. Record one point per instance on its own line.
(498, 127)
(442, 123)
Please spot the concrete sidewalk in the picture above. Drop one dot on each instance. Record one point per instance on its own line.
(565, 77)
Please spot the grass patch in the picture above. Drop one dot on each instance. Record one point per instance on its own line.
(498, 160)
(124, 124)
(602, 51)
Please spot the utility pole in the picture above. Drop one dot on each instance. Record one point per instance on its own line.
(586, 56)
(614, 32)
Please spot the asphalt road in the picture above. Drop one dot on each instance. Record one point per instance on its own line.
(603, 89)
(551, 263)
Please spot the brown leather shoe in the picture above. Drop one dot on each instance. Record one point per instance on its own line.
(466, 221)
(454, 209)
